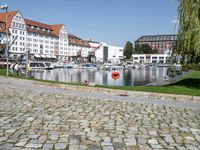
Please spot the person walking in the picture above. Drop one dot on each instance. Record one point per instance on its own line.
(12, 68)
(16, 68)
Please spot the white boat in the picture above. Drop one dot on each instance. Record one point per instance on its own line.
(71, 66)
(89, 66)
(117, 67)
(41, 65)
(58, 65)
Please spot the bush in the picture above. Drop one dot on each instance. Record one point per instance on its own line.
(178, 72)
(190, 66)
(171, 72)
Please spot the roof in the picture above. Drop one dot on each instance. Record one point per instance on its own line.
(38, 24)
(152, 38)
(56, 28)
(10, 15)
(2, 27)
(74, 40)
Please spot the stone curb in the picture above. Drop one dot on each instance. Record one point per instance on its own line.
(132, 93)
(92, 89)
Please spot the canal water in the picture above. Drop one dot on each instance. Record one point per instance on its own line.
(130, 77)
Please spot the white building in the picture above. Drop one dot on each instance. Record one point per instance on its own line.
(42, 40)
(78, 49)
(151, 58)
(17, 32)
(61, 45)
(47, 42)
(107, 53)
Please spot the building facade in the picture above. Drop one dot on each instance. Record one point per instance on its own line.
(163, 43)
(151, 58)
(78, 49)
(42, 40)
(106, 53)
(17, 33)
(61, 45)
(48, 42)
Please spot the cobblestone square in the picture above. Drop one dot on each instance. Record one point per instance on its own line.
(34, 119)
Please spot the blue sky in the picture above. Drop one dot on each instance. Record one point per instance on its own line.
(112, 21)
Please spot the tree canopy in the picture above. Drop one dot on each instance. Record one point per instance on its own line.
(189, 27)
(128, 50)
(144, 49)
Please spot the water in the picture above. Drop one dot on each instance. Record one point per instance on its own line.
(101, 77)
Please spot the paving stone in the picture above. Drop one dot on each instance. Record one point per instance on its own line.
(35, 116)
(153, 141)
(32, 145)
(118, 145)
(60, 146)
(48, 146)
(20, 144)
(108, 148)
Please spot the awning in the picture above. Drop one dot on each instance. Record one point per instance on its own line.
(37, 56)
(48, 56)
(43, 56)
(53, 56)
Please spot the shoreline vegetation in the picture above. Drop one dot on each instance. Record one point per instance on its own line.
(187, 85)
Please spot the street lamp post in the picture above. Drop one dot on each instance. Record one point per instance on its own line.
(6, 51)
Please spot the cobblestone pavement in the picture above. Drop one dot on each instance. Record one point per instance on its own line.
(35, 116)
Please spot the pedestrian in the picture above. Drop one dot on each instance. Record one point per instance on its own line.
(16, 68)
(12, 68)
(20, 69)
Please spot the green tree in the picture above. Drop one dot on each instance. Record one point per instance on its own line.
(189, 28)
(128, 50)
(144, 49)
(137, 49)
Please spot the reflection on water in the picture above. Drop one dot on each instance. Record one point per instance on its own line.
(102, 77)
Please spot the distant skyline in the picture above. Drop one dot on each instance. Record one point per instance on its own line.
(111, 21)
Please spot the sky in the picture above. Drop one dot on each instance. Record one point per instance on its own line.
(111, 21)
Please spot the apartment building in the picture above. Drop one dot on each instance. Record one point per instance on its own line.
(162, 43)
(44, 41)
(78, 49)
(61, 45)
(17, 33)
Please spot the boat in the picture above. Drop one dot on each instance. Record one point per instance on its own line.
(89, 66)
(71, 66)
(41, 65)
(58, 65)
(116, 67)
